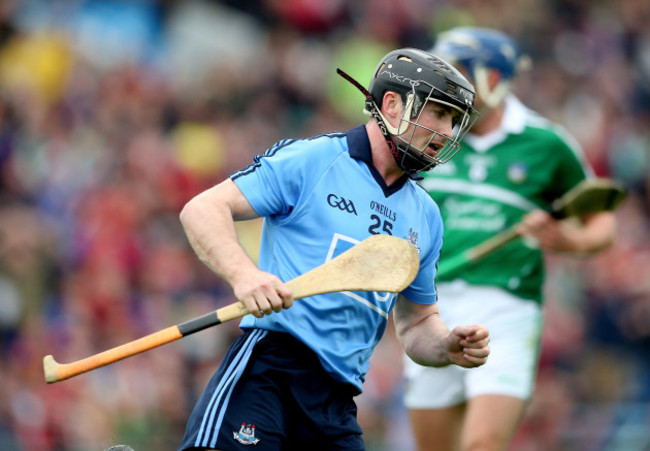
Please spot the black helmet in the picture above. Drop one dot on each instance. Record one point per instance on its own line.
(419, 77)
(405, 70)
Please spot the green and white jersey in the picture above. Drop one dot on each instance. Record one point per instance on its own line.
(496, 179)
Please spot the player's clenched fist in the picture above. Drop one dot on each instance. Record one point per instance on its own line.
(468, 345)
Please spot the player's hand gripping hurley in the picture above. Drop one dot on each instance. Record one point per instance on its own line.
(379, 263)
(589, 196)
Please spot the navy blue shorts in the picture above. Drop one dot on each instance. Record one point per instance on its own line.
(272, 393)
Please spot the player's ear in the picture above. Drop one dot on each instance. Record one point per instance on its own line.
(392, 106)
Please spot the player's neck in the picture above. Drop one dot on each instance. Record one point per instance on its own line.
(382, 158)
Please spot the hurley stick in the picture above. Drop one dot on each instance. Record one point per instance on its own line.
(589, 196)
(379, 263)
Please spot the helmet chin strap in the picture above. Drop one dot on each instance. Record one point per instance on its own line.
(386, 128)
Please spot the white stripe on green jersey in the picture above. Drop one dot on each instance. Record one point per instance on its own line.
(478, 190)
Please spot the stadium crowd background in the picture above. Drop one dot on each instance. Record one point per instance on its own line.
(114, 113)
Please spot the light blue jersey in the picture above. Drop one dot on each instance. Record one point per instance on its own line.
(319, 197)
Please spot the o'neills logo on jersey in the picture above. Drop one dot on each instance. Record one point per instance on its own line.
(383, 210)
(341, 203)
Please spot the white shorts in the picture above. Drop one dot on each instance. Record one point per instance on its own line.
(515, 329)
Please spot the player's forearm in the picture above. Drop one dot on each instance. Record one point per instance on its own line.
(594, 235)
(426, 343)
(422, 333)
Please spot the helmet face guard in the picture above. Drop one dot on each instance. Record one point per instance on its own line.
(419, 78)
(414, 158)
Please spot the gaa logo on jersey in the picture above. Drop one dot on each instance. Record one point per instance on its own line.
(341, 203)
(518, 172)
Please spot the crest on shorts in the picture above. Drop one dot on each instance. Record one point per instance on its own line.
(246, 434)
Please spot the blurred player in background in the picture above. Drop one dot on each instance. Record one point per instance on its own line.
(289, 380)
(512, 165)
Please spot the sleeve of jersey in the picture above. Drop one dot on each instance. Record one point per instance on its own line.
(275, 181)
(572, 165)
(423, 289)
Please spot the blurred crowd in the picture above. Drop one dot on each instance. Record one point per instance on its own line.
(114, 113)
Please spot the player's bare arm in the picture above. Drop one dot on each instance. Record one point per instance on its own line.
(591, 234)
(208, 220)
(427, 340)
